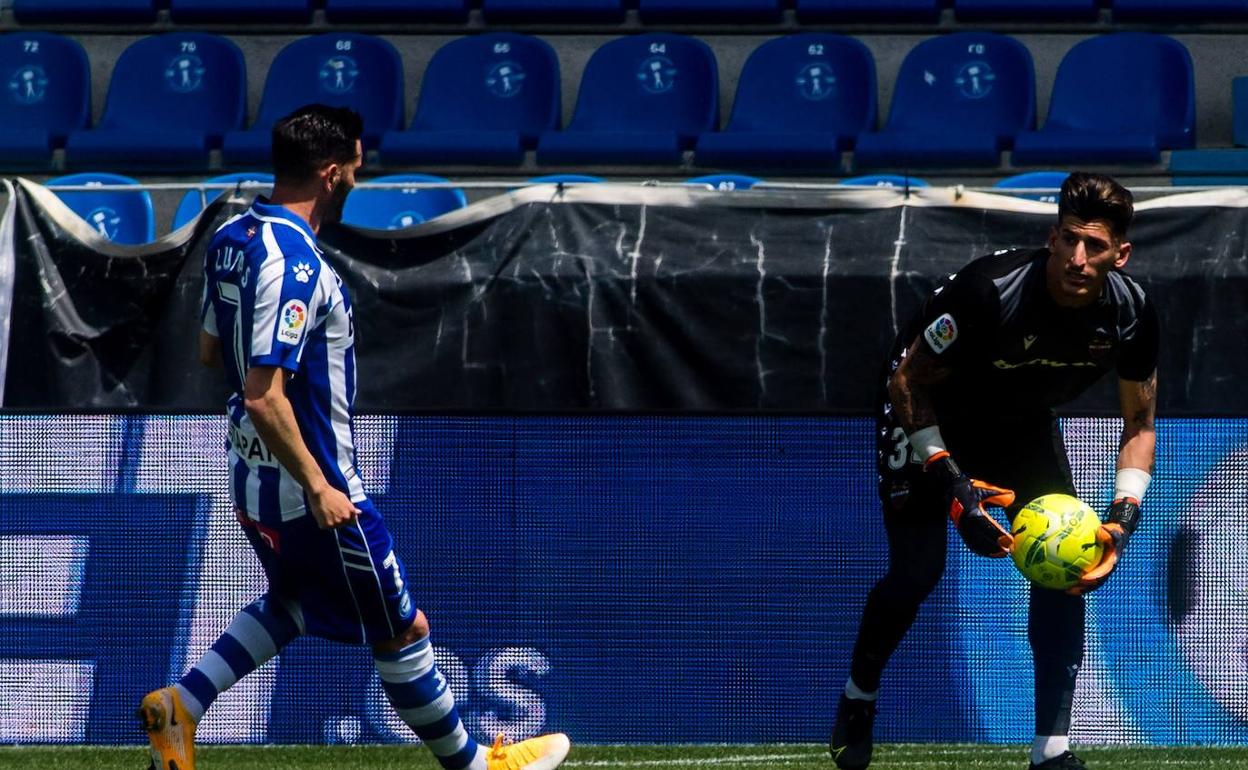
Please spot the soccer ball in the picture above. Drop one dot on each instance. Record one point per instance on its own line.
(1055, 540)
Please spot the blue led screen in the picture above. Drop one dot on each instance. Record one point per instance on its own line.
(620, 578)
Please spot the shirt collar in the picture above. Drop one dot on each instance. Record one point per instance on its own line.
(265, 208)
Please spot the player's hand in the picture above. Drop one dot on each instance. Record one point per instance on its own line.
(331, 508)
(966, 497)
(1112, 536)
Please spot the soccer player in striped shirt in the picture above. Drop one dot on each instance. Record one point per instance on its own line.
(278, 319)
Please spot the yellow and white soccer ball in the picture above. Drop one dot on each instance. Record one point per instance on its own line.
(1055, 540)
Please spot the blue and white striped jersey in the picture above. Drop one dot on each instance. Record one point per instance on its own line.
(274, 301)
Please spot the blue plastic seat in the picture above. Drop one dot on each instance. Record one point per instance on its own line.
(171, 99)
(725, 182)
(801, 100)
(1045, 10)
(340, 11)
(122, 217)
(49, 96)
(66, 11)
(565, 178)
(868, 10)
(496, 11)
(717, 11)
(341, 70)
(240, 11)
(484, 100)
(643, 99)
(884, 180)
(396, 208)
(1118, 98)
(1180, 10)
(195, 200)
(959, 100)
(1036, 179)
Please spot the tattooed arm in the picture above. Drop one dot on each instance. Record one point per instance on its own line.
(909, 387)
(1139, 408)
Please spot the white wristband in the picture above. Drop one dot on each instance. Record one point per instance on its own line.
(926, 442)
(1131, 482)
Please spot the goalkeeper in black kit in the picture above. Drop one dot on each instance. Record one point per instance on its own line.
(966, 419)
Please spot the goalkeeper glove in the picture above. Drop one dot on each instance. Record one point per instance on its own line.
(1123, 517)
(966, 498)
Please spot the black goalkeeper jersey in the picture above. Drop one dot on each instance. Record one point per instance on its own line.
(1013, 350)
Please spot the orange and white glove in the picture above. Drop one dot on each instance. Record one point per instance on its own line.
(966, 498)
(1123, 517)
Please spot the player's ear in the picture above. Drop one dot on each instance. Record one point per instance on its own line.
(1124, 254)
(1052, 238)
(330, 176)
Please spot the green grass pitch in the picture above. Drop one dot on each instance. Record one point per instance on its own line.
(676, 757)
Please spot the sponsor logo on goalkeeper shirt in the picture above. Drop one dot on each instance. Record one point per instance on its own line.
(941, 333)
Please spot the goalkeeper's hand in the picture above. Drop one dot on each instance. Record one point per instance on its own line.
(966, 497)
(1113, 534)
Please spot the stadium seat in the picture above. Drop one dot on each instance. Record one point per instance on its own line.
(1036, 179)
(504, 11)
(1180, 10)
(565, 178)
(339, 69)
(171, 99)
(1119, 98)
(643, 99)
(49, 87)
(65, 11)
(240, 11)
(884, 180)
(868, 10)
(195, 200)
(801, 100)
(725, 182)
(122, 217)
(396, 208)
(346, 11)
(715, 11)
(959, 100)
(484, 100)
(1040, 10)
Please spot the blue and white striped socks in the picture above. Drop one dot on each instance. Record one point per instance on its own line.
(420, 695)
(256, 634)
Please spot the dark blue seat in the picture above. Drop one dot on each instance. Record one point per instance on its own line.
(565, 178)
(959, 100)
(1050, 180)
(496, 11)
(643, 99)
(801, 100)
(195, 200)
(725, 182)
(397, 208)
(171, 99)
(120, 216)
(1180, 10)
(65, 11)
(1046, 10)
(240, 11)
(49, 90)
(340, 11)
(484, 100)
(717, 11)
(884, 180)
(868, 10)
(341, 70)
(1118, 98)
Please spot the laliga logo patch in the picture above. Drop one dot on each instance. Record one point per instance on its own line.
(294, 317)
(941, 333)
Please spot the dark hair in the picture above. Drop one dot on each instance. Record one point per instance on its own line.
(1096, 196)
(311, 137)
